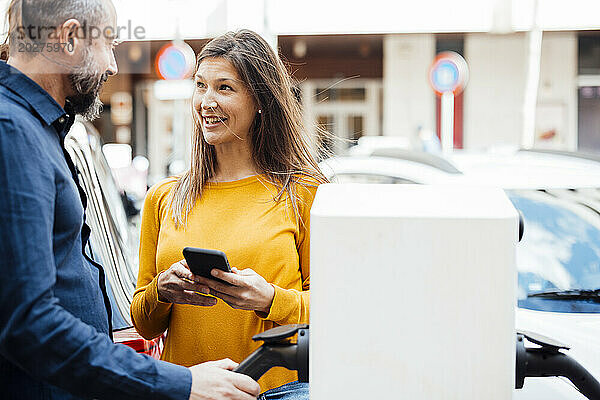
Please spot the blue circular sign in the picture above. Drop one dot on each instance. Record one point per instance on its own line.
(448, 73)
(175, 61)
(445, 76)
(172, 64)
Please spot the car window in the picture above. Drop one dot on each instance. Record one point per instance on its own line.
(109, 242)
(560, 249)
(122, 230)
(367, 178)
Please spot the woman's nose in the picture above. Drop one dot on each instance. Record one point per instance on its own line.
(208, 102)
(209, 105)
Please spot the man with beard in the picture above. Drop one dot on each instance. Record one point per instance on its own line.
(54, 310)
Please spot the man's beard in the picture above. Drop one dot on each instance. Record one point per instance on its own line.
(86, 83)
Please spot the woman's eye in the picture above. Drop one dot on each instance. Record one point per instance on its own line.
(226, 87)
(200, 84)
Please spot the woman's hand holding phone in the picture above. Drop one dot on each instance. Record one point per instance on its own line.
(244, 290)
(177, 285)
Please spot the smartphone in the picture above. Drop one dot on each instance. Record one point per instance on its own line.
(202, 261)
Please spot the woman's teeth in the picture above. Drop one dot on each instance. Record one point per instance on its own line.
(214, 120)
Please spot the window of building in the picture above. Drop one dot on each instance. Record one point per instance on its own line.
(347, 109)
(450, 42)
(589, 54)
(340, 94)
(588, 61)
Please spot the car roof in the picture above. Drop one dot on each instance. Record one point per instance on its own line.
(509, 170)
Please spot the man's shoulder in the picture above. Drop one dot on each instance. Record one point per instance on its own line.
(22, 136)
(15, 114)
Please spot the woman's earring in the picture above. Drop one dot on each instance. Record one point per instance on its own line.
(260, 111)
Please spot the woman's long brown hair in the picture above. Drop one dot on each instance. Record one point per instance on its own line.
(281, 147)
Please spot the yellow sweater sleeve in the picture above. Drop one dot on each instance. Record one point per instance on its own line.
(149, 315)
(291, 306)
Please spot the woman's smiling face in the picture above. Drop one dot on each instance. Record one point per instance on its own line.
(225, 106)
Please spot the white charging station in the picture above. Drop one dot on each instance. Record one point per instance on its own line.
(412, 293)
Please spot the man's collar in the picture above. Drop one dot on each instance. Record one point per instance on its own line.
(47, 109)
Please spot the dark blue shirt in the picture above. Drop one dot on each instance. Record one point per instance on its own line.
(54, 311)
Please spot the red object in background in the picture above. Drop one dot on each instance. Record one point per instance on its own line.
(449, 72)
(175, 60)
(131, 338)
(547, 135)
(458, 119)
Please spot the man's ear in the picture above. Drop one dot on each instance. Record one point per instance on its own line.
(68, 36)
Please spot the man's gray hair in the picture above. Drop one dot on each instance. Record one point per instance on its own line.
(32, 21)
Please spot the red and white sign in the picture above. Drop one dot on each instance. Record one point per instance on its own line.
(448, 73)
(175, 61)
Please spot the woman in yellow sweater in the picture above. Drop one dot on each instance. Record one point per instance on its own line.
(248, 193)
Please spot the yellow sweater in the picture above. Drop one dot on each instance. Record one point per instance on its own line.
(241, 219)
